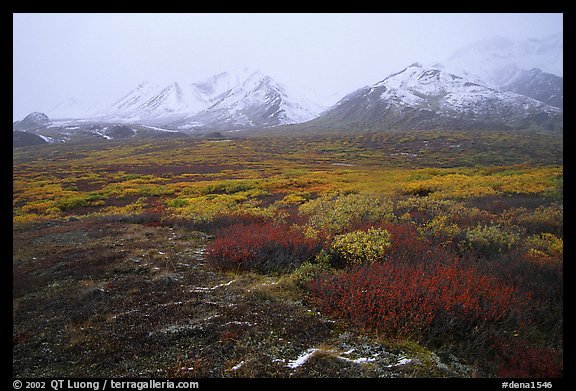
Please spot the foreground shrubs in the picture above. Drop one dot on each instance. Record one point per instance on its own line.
(517, 358)
(414, 301)
(264, 247)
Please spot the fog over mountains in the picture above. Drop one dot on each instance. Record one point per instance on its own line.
(496, 61)
(495, 83)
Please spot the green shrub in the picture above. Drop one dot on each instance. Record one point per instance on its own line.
(334, 214)
(490, 240)
(440, 228)
(308, 271)
(295, 198)
(230, 186)
(177, 203)
(546, 244)
(72, 202)
(362, 247)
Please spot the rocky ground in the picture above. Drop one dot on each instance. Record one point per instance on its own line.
(109, 299)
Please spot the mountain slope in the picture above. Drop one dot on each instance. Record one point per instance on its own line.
(21, 138)
(542, 86)
(426, 98)
(32, 121)
(257, 101)
(228, 100)
(150, 102)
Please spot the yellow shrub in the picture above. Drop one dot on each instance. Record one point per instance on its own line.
(295, 198)
(440, 228)
(545, 244)
(335, 214)
(361, 247)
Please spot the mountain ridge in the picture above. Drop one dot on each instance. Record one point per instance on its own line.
(421, 97)
(183, 105)
(454, 94)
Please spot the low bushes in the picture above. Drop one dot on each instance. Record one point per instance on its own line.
(415, 300)
(518, 359)
(452, 285)
(335, 214)
(264, 247)
(362, 247)
(489, 240)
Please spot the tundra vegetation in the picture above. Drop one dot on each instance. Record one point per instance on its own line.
(236, 257)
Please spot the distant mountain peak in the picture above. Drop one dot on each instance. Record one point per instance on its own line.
(425, 97)
(255, 100)
(39, 118)
(240, 98)
(32, 122)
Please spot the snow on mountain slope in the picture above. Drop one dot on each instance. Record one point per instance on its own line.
(426, 97)
(545, 87)
(150, 101)
(231, 100)
(254, 101)
(418, 86)
(131, 102)
(214, 86)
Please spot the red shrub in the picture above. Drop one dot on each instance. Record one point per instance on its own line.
(518, 359)
(222, 221)
(264, 247)
(407, 245)
(413, 300)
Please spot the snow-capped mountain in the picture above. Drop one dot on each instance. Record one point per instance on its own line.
(24, 131)
(421, 97)
(228, 100)
(418, 97)
(256, 101)
(131, 103)
(542, 86)
(32, 121)
(223, 82)
(496, 61)
(151, 102)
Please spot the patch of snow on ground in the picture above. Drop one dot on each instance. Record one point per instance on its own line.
(237, 366)
(360, 360)
(46, 138)
(207, 289)
(102, 134)
(402, 361)
(162, 129)
(302, 358)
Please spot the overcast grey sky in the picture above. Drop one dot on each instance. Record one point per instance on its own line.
(100, 57)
